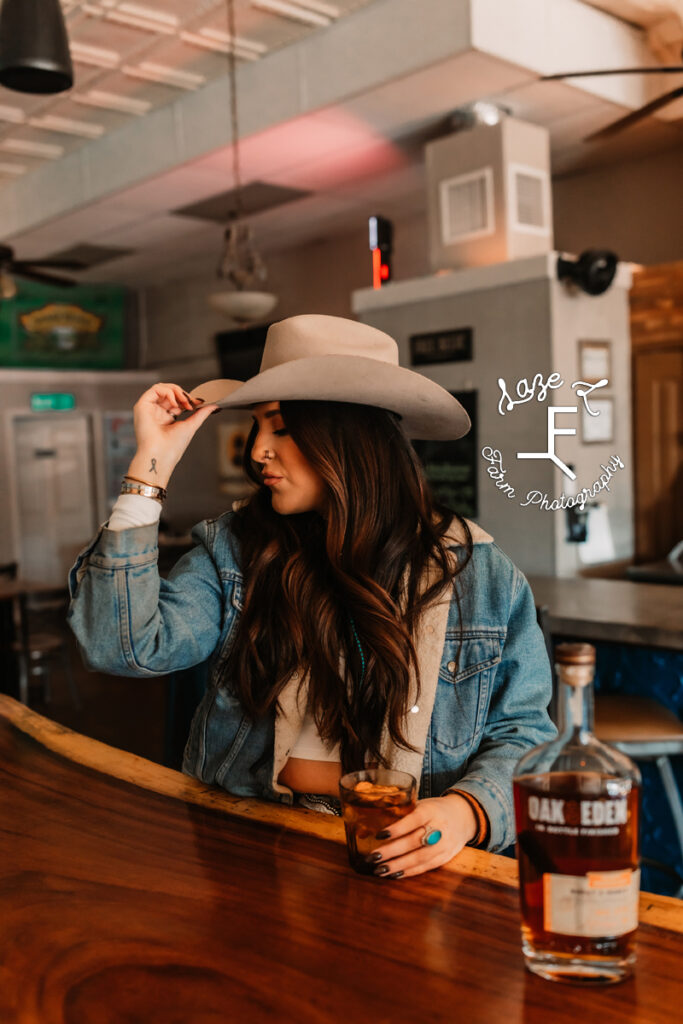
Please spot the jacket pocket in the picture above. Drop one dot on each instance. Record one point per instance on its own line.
(463, 690)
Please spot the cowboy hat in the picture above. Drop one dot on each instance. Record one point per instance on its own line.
(329, 358)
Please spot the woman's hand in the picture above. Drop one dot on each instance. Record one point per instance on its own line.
(161, 438)
(405, 855)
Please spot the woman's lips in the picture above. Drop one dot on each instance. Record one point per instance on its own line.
(270, 481)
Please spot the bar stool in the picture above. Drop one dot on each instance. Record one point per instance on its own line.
(35, 652)
(641, 728)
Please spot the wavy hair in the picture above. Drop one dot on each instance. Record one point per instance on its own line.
(317, 588)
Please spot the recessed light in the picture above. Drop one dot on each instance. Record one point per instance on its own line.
(164, 75)
(317, 14)
(14, 169)
(112, 101)
(67, 126)
(94, 55)
(15, 115)
(40, 149)
(196, 39)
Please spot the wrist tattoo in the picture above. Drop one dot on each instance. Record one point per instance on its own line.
(153, 467)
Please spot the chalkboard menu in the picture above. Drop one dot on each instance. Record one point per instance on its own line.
(451, 466)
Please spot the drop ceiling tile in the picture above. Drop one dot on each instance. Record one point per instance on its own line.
(150, 232)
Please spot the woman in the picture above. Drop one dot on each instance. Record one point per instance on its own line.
(349, 618)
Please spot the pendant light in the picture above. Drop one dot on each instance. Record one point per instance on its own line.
(240, 264)
(34, 47)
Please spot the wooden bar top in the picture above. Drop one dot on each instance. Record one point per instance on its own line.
(620, 611)
(131, 893)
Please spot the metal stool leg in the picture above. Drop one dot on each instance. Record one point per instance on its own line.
(22, 661)
(675, 803)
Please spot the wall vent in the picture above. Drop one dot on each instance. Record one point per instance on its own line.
(467, 206)
(530, 203)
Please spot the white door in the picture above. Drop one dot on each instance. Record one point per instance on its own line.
(54, 488)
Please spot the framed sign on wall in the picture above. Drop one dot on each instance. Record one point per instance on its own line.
(79, 328)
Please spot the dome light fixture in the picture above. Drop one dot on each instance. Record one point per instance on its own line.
(34, 47)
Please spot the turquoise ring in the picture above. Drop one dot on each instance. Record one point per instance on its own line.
(431, 836)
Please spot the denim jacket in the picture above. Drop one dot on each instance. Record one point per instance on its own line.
(481, 704)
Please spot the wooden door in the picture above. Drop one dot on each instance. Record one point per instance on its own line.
(658, 448)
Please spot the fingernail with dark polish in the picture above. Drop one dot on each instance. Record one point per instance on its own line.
(197, 401)
(374, 858)
(215, 411)
(384, 834)
(396, 874)
(382, 870)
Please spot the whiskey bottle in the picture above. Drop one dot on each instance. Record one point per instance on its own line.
(577, 804)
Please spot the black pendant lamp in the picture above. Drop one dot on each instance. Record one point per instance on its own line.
(34, 47)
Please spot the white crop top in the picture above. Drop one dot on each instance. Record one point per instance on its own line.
(309, 746)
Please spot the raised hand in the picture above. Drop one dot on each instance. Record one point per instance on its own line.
(161, 437)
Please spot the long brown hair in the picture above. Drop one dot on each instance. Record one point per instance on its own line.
(310, 581)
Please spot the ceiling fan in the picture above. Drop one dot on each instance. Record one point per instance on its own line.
(32, 269)
(636, 115)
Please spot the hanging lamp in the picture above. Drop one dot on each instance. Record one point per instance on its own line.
(240, 264)
(34, 47)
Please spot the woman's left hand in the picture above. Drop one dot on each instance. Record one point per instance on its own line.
(404, 855)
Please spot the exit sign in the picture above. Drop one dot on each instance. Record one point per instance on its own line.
(52, 401)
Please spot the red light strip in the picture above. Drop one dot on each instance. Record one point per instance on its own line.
(376, 268)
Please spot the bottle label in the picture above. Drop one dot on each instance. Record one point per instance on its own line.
(595, 905)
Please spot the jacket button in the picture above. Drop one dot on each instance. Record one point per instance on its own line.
(451, 666)
(295, 675)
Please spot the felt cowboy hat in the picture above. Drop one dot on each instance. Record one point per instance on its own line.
(329, 358)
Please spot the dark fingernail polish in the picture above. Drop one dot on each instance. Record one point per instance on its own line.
(382, 870)
(384, 834)
(215, 411)
(374, 858)
(396, 874)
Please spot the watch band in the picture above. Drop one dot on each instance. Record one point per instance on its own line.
(146, 490)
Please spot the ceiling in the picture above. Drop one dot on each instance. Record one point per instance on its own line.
(351, 158)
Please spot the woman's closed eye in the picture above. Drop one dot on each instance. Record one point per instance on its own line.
(281, 432)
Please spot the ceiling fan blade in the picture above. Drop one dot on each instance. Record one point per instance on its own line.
(666, 70)
(635, 116)
(59, 264)
(37, 275)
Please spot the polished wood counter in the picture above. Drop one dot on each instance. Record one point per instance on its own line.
(130, 893)
(620, 611)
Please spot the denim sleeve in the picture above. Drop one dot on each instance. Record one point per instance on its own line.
(130, 622)
(517, 720)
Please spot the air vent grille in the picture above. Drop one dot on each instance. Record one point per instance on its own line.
(529, 199)
(467, 206)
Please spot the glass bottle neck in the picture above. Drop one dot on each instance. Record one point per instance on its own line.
(575, 708)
